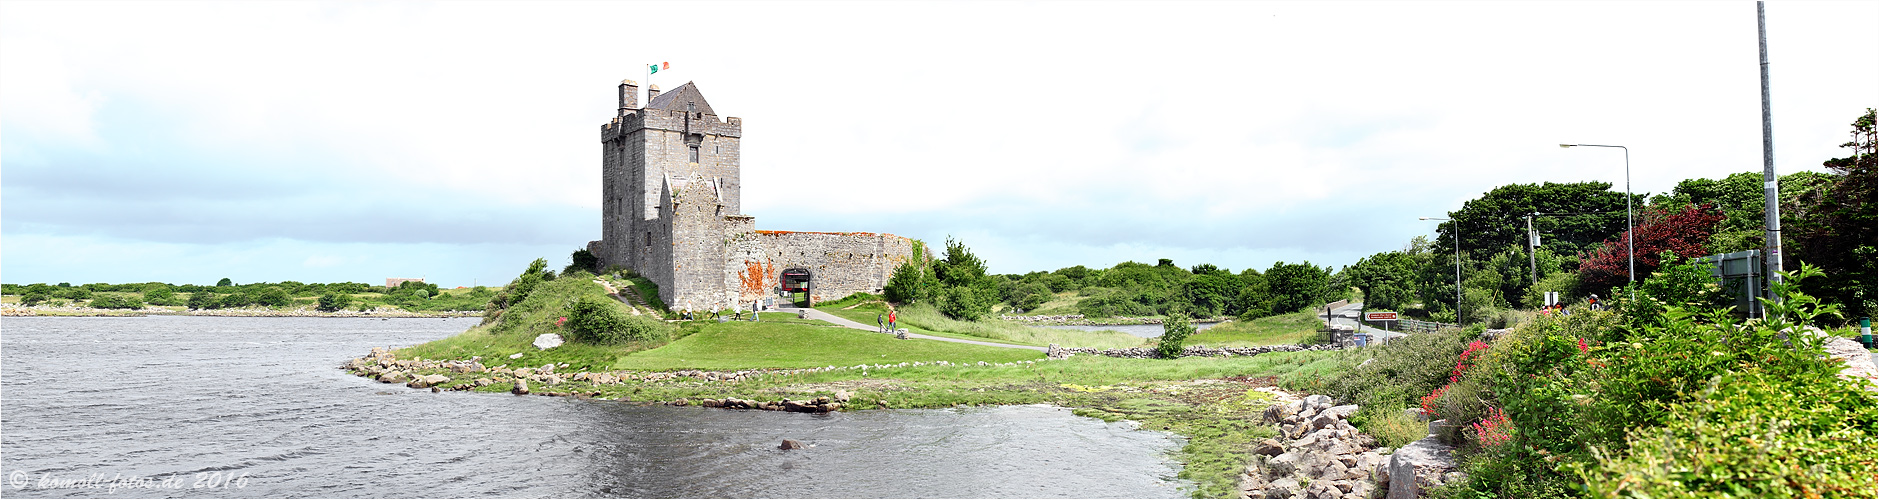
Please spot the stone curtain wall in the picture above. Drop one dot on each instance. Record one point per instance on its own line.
(843, 263)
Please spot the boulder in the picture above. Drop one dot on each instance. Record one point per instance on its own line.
(1341, 412)
(427, 381)
(1282, 487)
(481, 382)
(392, 377)
(1419, 466)
(521, 387)
(791, 444)
(1323, 489)
(1319, 401)
(842, 396)
(1278, 414)
(1284, 464)
(1269, 447)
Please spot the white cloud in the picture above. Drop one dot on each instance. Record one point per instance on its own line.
(1054, 133)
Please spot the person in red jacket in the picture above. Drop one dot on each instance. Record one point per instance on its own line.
(892, 317)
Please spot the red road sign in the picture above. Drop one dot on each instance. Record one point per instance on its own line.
(1380, 316)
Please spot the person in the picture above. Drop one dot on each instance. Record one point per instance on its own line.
(892, 319)
(1594, 302)
(880, 322)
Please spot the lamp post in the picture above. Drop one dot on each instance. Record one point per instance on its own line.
(1457, 237)
(1631, 224)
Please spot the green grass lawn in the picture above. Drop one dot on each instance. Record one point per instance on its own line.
(1271, 330)
(742, 345)
(922, 318)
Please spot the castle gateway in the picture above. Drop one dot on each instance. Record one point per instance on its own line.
(670, 179)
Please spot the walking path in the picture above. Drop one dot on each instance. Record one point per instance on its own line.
(845, 322)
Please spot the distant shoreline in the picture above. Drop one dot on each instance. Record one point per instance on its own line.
(11, 310)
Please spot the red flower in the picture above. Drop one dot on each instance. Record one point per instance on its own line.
(1582, 347)
(561, 320)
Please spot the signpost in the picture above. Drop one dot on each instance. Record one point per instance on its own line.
(1389, 316)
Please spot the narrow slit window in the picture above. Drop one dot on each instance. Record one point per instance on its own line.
(694, 154)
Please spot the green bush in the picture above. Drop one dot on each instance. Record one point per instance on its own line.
(966, 303)
(600, 321)
(116, 302)
(33, 298)
(273, 297)
(1670, 405)
(74, 293)
(161, 295)
(1174, 331)
(1750, 435)
(582, 260)
(331, 302)
(203, 300)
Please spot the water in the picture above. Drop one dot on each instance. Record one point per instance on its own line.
(199, 400)
(1144, 331)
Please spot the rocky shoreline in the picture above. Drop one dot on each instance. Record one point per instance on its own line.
(301, 312)
(1055, 352)
(382, 366)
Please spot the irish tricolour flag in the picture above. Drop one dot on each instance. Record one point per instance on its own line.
(654, 68)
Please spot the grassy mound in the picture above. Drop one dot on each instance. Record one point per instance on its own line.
(1271, 330)
(515, 329)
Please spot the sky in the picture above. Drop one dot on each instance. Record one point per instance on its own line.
(457, 141)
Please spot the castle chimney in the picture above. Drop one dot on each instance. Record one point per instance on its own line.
(629, 96)
(651, 92)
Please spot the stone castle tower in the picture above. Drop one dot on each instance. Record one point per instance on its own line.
(670, 210)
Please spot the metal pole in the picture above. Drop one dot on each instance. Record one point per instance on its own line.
(1631, 221)
(1457, 237)
(1533, 265)
(1771, 186)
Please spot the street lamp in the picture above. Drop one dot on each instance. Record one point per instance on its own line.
(1631, 224)
(1457, 237)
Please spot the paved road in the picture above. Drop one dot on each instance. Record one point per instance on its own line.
(1347, 316)
(816, 314)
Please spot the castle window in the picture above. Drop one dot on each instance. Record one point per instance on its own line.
(649, 238)
(691, 106)
(694, 154)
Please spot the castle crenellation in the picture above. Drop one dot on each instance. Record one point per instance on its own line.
(671, 189)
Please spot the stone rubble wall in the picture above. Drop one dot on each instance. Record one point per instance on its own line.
(1318, 454)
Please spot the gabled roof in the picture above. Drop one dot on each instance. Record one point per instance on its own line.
(675, 99)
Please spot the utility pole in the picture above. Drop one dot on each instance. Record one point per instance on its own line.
(1771, 186)
(1533, 243)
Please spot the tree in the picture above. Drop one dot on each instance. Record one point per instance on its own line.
(1840, 226)
(34, 297)
(1580, 215)
(332, 301)
(1684, 233)
(1295, 287)
(1174, 333)
(1387, 280)
(225, 282)
(908, 285)
(1211, 294)
(965, 293)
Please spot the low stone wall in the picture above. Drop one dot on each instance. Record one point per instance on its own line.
(1055, 352)
(1080, 320)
